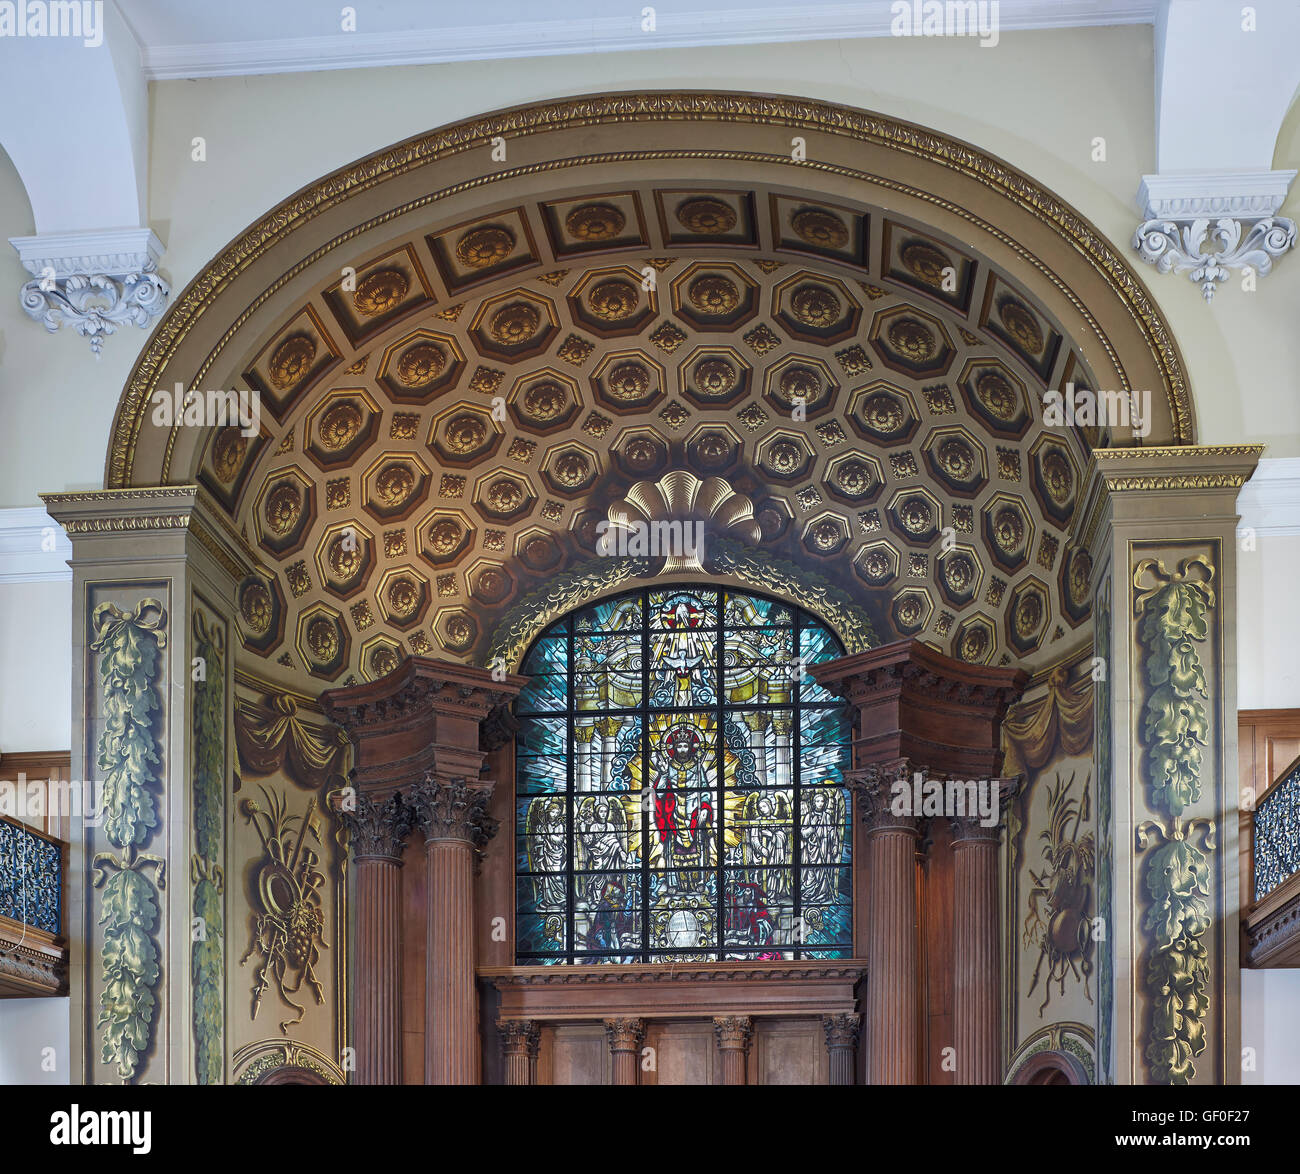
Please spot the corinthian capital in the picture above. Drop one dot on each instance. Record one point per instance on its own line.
(874, 786)
(377, 830)
(733, 1031)
(624, 1035)
(453, 809)
(519, 1037)
(841, 1030)
(974, 826)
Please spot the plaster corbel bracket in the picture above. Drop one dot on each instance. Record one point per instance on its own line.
(1207, 225)
(92, 282)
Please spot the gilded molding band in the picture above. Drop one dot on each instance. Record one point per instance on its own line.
(473, 134)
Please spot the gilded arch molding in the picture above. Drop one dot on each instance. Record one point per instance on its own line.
(731, 565)
(924, 407)
(190, 340)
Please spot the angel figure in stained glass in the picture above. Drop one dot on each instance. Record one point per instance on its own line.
(767, 840)
(545, 831)
(602, 835)
(823, 841)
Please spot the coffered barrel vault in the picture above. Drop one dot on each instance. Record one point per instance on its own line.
(830, 340)
(462, 362)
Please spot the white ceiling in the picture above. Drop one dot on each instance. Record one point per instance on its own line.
(196, 38)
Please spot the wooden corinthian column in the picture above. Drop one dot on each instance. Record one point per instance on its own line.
(977, 999)
(519, 1042)
(733, 1033)
(893, 985)
(453, 816)
(841, 1044)
(376, 832)
(418, 736)
(625, 1036)
(916, 711)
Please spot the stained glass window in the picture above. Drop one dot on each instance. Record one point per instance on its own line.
(680, 785)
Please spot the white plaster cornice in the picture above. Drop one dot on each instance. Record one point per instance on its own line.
(740, 24)
(92, 282)
(1207, 224)
(1211, 208)
(33, 547)
(1186, 195)
(1269, 503)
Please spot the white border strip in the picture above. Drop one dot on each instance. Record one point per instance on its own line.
(1269, 503)
(23, 533)
(545, 38)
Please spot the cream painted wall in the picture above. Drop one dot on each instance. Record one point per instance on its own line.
(1268, 667)
(36, 652)
(1270, 1025)
(27, 1028)
(1038, 100)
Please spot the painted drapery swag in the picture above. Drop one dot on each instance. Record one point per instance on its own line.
(274, 738)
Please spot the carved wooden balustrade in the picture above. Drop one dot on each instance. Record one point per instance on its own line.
(33, 950)
(1273, 923)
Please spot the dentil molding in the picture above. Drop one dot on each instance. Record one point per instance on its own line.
(1208, 224)
(92, 282)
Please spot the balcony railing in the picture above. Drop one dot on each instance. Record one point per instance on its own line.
(1277, 833)
(33, 955)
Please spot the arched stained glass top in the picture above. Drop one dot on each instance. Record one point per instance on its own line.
(680, 785)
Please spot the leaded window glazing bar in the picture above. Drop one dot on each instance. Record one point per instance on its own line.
(680, 785)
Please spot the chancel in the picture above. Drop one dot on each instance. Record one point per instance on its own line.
(718, 547)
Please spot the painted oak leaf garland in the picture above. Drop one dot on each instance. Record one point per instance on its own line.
(1176, 729)
(128, 644)
(128, 914)
(208, 950)
(1178, 968)
(1174, 620)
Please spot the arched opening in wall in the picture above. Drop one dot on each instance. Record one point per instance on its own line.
(464, 373)
(1051, 1067)
(292, 1074)
(680, 783)
(460, 367)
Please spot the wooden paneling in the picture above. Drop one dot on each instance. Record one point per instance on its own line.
(34, 773)
(789, 1051)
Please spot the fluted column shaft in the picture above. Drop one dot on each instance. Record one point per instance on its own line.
(977, 1006)
(841, 1042)
(733, 1033)
(892, 974)
(625, 1036)
(453, 816)
(519, 1041)
(376, 831)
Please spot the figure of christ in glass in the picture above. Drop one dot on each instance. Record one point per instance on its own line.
(680, 785)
